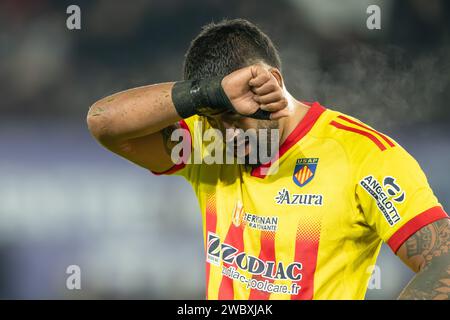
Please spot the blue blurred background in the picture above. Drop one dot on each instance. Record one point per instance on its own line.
(64, 200)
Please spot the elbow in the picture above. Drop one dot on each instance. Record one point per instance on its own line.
(98, 122)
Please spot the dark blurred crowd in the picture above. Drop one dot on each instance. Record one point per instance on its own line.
(64, 200)
(328, 53)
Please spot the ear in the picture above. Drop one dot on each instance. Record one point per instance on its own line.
(277, 74)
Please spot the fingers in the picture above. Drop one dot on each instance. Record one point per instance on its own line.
(259, 79)
(268, 92)
(280, 114)
(267, 87)
(275, 106)
(270, 97)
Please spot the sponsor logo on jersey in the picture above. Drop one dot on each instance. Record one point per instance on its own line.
(393, 189)
(295, 199)
(213, 249)
(386, 195)
(304, 170)
(218, 251)
(263, 223)
(238, 212)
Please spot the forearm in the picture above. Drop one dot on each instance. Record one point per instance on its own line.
(433, 282)
(145, 110)
(133, 113)
(427, 252)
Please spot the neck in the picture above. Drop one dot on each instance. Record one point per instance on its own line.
(298, 111)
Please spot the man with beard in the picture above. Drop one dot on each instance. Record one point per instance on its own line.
(308, 223)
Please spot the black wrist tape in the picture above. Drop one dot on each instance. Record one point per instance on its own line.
(205, 97)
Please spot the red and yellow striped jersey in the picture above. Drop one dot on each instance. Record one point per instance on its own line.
(313, 228)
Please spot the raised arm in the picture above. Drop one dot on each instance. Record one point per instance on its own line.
(137, 123)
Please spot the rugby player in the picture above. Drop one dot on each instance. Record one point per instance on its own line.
(309, 223)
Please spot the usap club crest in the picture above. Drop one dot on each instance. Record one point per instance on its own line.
(304, 171)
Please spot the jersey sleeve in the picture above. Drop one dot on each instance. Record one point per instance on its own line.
(188, 135)
(394, 195)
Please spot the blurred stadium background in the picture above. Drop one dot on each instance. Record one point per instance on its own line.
(64, 200)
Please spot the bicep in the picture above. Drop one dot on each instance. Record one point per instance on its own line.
(152, 151)
(430, 242)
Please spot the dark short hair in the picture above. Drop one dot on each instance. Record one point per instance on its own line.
(224, 47)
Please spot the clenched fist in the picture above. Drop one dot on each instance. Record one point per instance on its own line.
(255, 88)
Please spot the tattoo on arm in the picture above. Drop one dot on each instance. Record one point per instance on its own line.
(429, 247)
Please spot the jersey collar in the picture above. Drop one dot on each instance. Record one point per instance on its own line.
(302, 128)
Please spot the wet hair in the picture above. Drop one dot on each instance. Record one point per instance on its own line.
(224, 47)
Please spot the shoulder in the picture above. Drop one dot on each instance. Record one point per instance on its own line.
(354, 134)
(364, 146)
(357, 138)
